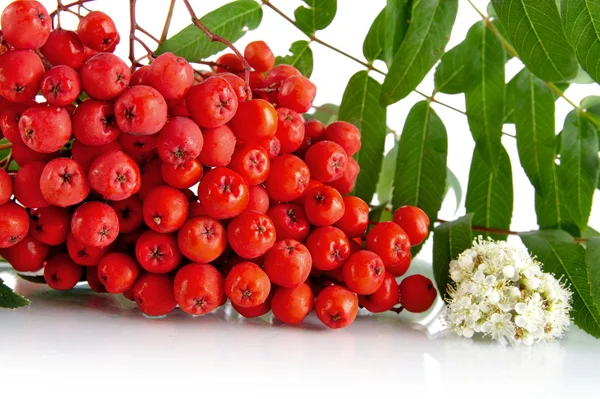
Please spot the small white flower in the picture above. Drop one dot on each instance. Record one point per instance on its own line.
(508, 271)
(500, 327)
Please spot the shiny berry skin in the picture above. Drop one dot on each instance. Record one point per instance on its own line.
(237, 84)
(83, 254)
(278, 74)
(60, 85)
(290, 130)
(117, 272)
(288, 178)
(223, 193)
(314, 130)
(179, 141)
(141, 110)
(171, 75)
(154, 294)
(364, 272)
(97, 31)
(323, 206)
(165, 209)
(104, 76)
(26, 24)
(45, 128)
(28, 255)
(94, 123)
(272, 146)
(95, 224)
(14, 224)
(61, 273)
(326, 160)
(329, 248)
(417, 293)
(390, 242)
(297, 93)
(198, 288)
(336, 306)
(247, 285)
(91, 276)
(414, 222)
(254, 121)
(252, 162)
(157, 252)
(202, 239)
(229, 63)
(129, 212)
(259, 56)
(219, 145)
(22, 72)
(63, 47)
(385, 298)
(288, 263)
(290, 222)
(356, 217)
(345, 134)
(184, 175)
(114, 175)
(141, 76)
(212, 103)
(6, 187)
(50, 225)
(251, 234)
(27, 192)
(258, 199)
(85, 154)
(346, 183)
(292, 305)
(63, 182)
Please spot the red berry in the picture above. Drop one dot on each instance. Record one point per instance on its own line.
(28, 255)
(22, 72)
(356, 217)
(141, 76)
(259, 56)
(165, 209)
(297, 93)
(137, 145)
(91, 275)
(417, 293)
(63, 182)
(95, 224)
(27, 192)
(292, 305)
(157, 253)
(94, 123)
(345, 134)
(288, 178)
(61, 85)
(314, 130)
(336, 306)
(184, 175)
(26, 24)
(252, 162)
(329, 248)
(212, 103)
(171, 75)
(150, 176)
(237, 84)
(290, 222)
(223, 193)
(45, 128)
(254, 121)
(229, 63)
(345, 184)
(83, 254)
(154, 294)
(50, 225)
(277, 75)
(288, 263)
(85, 154)
(251, 234)
(198, 288)
(61, 273)
(290, 130)
(141, 110)
(364, 272)
(114, 175)
(258, 199)
(390, 242)
(105, 76)
(323, 206)
(219, 145)
(247, 285)
(271, 145)
(311, 183)
(129, 212)
(179, 141)
(202, 239)
(326, 160)
(117, 272)
(9, 121)
(63, 47)
(97, 31)
(6, 187)
(22, 154)
(414, 222)
(253, 311)
(385, 298)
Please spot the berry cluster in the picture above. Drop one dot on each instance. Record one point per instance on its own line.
(103, 190)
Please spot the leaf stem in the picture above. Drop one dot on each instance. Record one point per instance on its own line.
(132, 25)
(165, 30)
(5, 146)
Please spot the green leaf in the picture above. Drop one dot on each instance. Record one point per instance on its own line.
(230, 21)
(509, 101)
(593, 264)
(300, 56)
(426, 38)
(420, 177)
(534, 121)
(452, 183)
(562, 256)
(374, 44)
(548, 206)
(361, 107)
(485, 96)
(534, 29)
(10, 299)
(397, 21)
(581, 22)
(380, 213)
(591, 232)
(450, 74)
(317, 16)
(490, 193)
(325, 113)
(386, 176)
(450, 239)
(591, 106)
(578, 171)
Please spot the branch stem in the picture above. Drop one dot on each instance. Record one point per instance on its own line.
(145, 32)
(165, 30)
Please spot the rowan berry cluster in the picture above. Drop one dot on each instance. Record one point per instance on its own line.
(108, 160)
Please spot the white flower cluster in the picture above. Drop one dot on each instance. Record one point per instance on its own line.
(501, 292)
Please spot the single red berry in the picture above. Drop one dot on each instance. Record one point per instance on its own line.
(314, 130)
(27, 192)
(91, 276)
(345, 134)
(95, 224)
(83, 254)
(292, 305)
(63, 182)
(356, 217)
(171, 75)
(97, 31)
(179, 141)
(271, 145)
(50, 225)
(223, 193)
(258, 199)
(61, 273)
(346, 183)
(26, 24)
(237, 84)
(157, 252)
(252, 162)
(288, 263)
(94, 123)
(28, 255)
(326, 160)
(297, 93)
(45, 128)
(247, 285)
(212, 103)
(6, 187)
(105, 76)
(390, 242)
(417, 293)
(198, 288)
(323, 206)
(290, 222)
(385, 298)
(329, 248)
(141, 76)
(114, 175)
(290, 130)
(117, 272)
(63, 47)
(336, 306)
(141, 110)
(181, 176)
(165, 209)
(259, 56)
(129, 212)
(22, 72)
(60, 85)
(288, 178)
(229, 63)
(137, 145)
(364, 272)
(414, 222)
(154, 294)
(219, 145)
(251, 234)
(202, 239)
(400, 268)
(255, 120)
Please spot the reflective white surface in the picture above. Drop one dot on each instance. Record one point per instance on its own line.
(81, 343)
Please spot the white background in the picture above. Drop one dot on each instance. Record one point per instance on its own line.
(90, 345)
